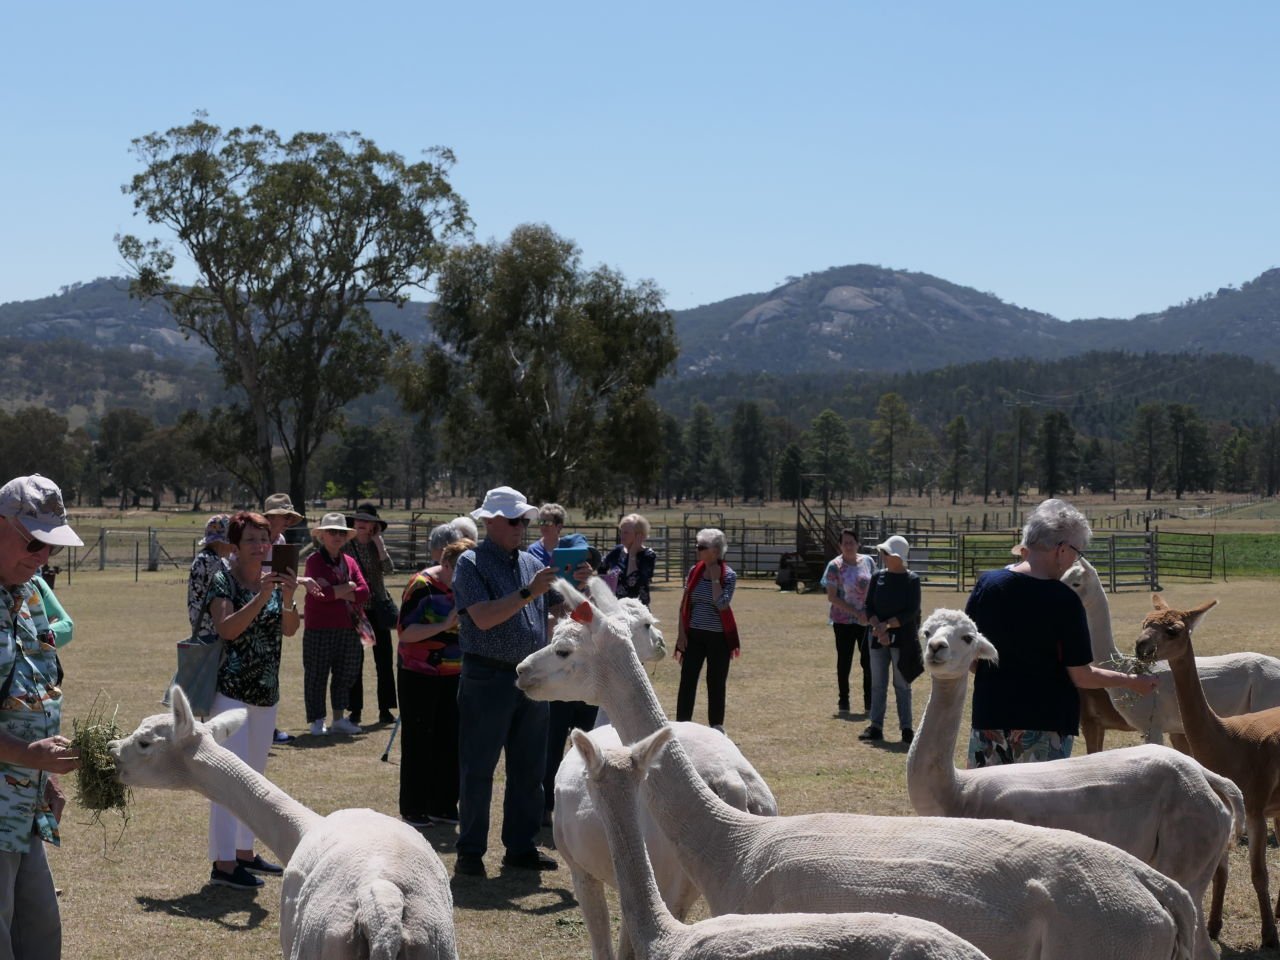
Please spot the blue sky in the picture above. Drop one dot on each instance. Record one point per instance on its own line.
(1086, 159)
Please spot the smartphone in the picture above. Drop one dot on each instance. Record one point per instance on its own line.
(284, 558)
(566, 559)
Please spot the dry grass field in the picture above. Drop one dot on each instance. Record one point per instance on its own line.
(145, 896)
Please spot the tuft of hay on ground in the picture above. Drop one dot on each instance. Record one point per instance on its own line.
(97, 788)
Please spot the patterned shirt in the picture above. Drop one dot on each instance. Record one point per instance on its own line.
(32, 711)
(373, 567)
(426, 601)
(852, 581)
(204, 568)
(251, 671)
(488, 573)
(704, 613)
(635, 585)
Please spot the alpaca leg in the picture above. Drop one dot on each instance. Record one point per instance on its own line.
(1258, 872)
(595, 912)
(1214, 924)
(1094, 735)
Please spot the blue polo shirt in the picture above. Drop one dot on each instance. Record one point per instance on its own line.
(488, 573)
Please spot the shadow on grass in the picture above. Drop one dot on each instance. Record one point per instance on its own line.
(507, 890)
(221, 905)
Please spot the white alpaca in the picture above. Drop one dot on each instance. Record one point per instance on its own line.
(576, 824)
(614, 777)
(357, 884)
(1234, 683)
(1156, 803)
(1014, 891)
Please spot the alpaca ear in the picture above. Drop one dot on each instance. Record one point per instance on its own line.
(225, 724)
(184, 723)
(1157, 601)
(985, 649)
(590, 755)
(645, 752)
(1193, 616)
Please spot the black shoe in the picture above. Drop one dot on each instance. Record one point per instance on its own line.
(908, 734)
(263, 867)
(469, 865)
(386, 717)
(239, 878)
(533, 860)
(843, 708)
(354, 715)
(871, 733)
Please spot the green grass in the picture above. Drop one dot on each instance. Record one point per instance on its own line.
(1247, 554)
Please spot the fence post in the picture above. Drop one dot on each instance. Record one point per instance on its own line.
(153, 550)
(102, 548)
(1111, 555)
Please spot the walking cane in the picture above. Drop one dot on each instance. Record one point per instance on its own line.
(387, 752)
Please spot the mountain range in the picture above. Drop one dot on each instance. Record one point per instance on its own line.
(91, 346)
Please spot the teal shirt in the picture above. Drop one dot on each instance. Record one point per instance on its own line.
(32, 711)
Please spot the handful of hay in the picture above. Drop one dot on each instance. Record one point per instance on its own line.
(1130, 665)
(97, 788)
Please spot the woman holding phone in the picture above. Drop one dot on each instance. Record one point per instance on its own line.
(250, 607)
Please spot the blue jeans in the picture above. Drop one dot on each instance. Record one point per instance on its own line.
(494, 715)
(880, 660)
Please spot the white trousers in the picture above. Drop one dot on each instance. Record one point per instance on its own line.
(250, 743)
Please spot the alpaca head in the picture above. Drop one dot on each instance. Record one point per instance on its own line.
(613, 764)
(951, 643)
(1166, 633)
(158, 753)
(576, 664)
(645, 635)
(1083, 579)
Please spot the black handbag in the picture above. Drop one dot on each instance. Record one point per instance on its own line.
(384, 613)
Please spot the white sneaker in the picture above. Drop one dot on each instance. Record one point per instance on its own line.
(318, 728)
(343, 725)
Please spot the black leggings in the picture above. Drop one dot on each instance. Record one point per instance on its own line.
(849, 636)
(708, 646)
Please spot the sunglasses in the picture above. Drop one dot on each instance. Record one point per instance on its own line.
(517, 521)
(704, 546)
(1069, 546)
(33, 545)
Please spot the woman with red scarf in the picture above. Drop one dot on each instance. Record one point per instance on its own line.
(708, 632)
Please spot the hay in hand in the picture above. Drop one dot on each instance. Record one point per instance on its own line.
(1130, 665)
(97, 788)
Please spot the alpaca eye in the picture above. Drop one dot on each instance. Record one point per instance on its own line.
(967, 638)
(927, 634)
(562, 653)
(143, 744)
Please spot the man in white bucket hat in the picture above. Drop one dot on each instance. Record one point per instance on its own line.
(33, 526)
(503, 597)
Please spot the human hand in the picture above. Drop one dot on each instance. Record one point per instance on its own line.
(1142, 684)
(52, 753)
(55, 798)
(583, 572)
(543, 581)
(344, 591)
(451, 620)
(312, 586)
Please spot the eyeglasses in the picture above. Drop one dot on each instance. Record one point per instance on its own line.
(517, 521)
(1070, 546)
(33, 545)
(550, 523)
(704, 546)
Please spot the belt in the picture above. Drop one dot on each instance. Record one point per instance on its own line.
(489, 662)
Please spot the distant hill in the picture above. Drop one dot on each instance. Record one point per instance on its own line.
(864, 318)
(101, 314)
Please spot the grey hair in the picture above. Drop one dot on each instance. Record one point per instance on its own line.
(640, 523)
(467, 527)
(442, 536)
(715, 537)
(1054, 522)
(551, 512)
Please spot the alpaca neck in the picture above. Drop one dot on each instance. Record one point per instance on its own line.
(1202, 727)
(1101, 638)
(629, 698)
(642, 905)
(273, 815)
(932, 785)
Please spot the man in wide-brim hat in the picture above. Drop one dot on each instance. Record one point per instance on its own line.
(502, 596)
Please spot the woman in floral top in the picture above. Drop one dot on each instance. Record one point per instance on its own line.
(430, 665)
(846, 580)
(249, 607)
(215, 549)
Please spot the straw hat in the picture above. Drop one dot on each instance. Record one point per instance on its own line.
(279, 504)
(332, 521)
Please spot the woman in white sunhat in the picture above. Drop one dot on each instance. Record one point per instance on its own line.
(893, 621)
(331, 649)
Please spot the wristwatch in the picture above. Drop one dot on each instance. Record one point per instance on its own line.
(525, 594)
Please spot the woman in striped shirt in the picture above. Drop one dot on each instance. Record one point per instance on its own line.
(708, 632)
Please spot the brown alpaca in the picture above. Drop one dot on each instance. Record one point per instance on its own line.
(1244, 748)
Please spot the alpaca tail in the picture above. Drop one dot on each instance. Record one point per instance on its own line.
(1179, 907)
(1232, 798)
(380, 916)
